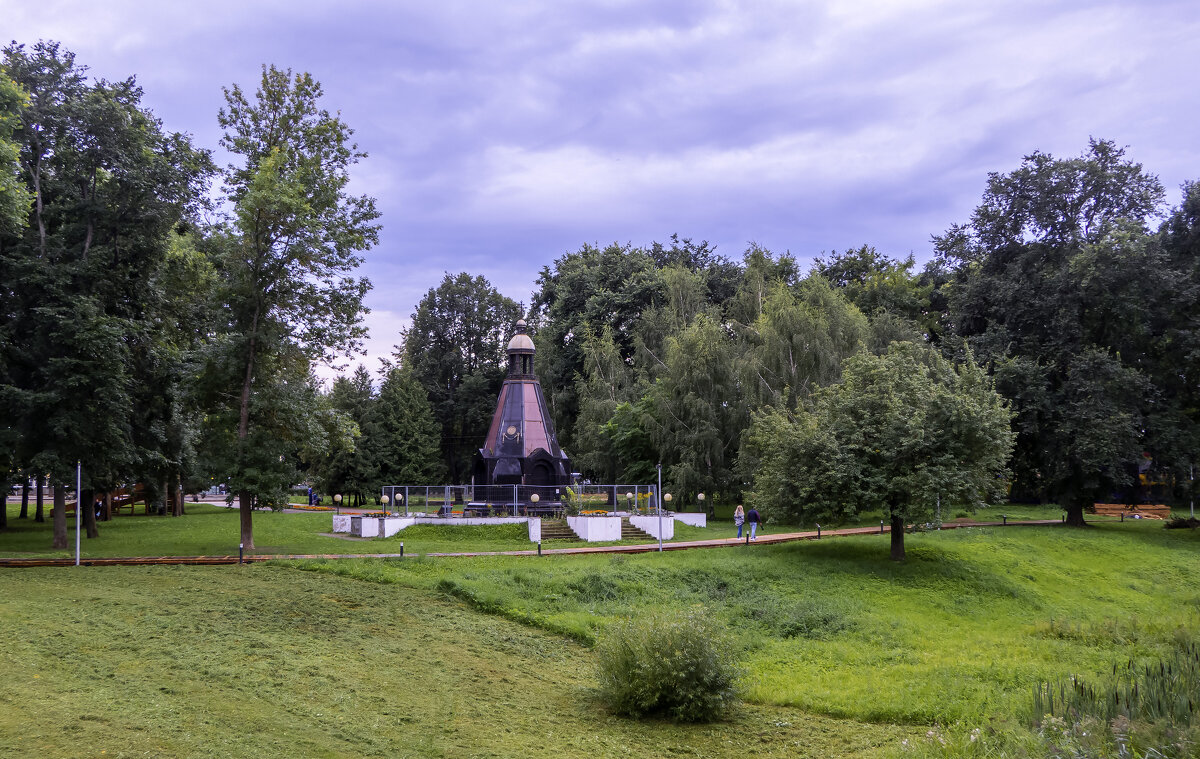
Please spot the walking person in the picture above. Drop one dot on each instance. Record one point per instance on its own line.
(753, 518)
(739, 518)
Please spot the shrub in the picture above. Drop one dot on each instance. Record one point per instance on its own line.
(672, 665)
(1180, 523)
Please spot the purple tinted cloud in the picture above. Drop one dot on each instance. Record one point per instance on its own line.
(503, 135)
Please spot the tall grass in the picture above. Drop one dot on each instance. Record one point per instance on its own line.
(1167, 690)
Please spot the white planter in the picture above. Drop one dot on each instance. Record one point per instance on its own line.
(695, 520)
(651, 524)
(385, 527)
(364, 527)
(389, 526)
(596, 529)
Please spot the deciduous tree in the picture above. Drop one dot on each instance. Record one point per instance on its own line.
(455, 349)
(287, 261)
(1056, 282)
(900, 432)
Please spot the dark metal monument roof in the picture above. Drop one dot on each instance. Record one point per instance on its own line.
(521, 447)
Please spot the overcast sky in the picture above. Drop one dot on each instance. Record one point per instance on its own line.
(504, 134)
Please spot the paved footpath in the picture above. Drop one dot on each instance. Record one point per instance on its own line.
(786, 537)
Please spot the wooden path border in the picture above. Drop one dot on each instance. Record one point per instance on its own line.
(788, 537)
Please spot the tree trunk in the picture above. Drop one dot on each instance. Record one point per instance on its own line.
(24, 501)
(897, 538)
(107, 505)
(1075, 515)
(245, 503)
(176, 498)
(87, 501)
(4, 508)
(245, 498)
(38, 514)
(59, 512)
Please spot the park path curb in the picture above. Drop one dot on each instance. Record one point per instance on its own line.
(789, 537)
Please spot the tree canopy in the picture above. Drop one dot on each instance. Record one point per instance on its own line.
(899, 434)
(287, 259)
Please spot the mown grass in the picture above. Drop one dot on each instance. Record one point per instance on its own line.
(960, 634)
(962, 631)
(261, 661)
(214, 530)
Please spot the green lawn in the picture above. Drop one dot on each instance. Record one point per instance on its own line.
(961, 631)
(262, 661)
(844, 650)
(213, 530)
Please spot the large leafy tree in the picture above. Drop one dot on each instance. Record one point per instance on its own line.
(876, 283)
(455, 348)
(107, 186)
(287, 260)
(585, 292)
(607, 382)
(14, 195)
(1056, 286)
(900, 433)
(798, 342)
(1176, 356)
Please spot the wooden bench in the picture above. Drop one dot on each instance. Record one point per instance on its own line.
(1144, 510)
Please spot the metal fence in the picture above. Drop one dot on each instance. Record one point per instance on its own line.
(517, 500)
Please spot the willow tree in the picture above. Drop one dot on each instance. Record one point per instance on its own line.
(287, 261)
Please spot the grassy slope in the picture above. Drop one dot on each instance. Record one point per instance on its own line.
(268, 661)
(961, 631)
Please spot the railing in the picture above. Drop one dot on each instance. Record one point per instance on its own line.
(517, 500)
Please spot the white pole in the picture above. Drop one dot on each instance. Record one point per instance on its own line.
(78, 505)
(658, 497)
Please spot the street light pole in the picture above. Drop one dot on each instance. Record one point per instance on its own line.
(658, 497)
(79, 505)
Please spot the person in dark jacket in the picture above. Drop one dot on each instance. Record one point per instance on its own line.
(753, 518)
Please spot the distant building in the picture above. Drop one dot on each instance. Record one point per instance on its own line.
(521, 447)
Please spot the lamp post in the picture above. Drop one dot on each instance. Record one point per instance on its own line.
(78, 504)
(700, 498)
(658, 500)
(666, 497)
(337, 503)
(385, 500)
(629, 502)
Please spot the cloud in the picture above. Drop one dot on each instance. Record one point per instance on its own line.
(502, 135)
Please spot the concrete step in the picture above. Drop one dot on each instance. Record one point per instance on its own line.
(629, 532)
(557, 529)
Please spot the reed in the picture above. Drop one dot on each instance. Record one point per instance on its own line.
(1164, 691)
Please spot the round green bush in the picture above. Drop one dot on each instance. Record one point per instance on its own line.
(675, 665)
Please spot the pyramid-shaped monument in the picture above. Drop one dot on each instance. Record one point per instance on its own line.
(521, 447)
